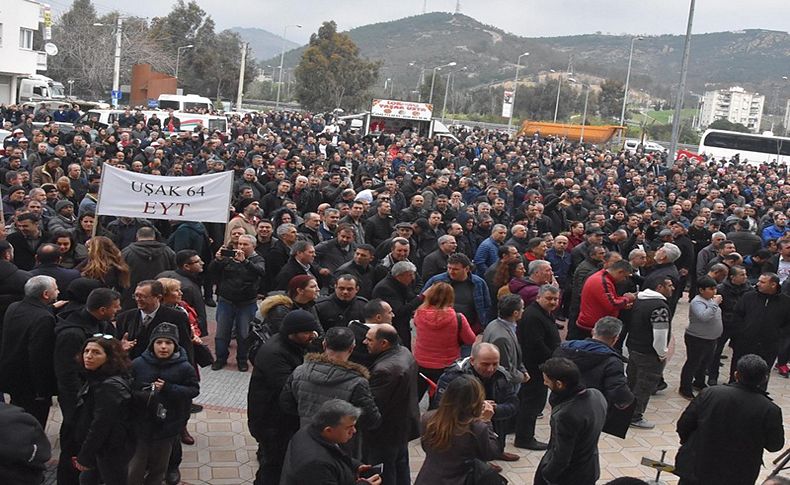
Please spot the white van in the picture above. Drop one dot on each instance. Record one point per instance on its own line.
(189, 121)
(648, 146)
(185, 102)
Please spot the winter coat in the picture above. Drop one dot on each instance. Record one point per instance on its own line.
(580, 275)
(293, 268)
(320, 379)
(503, 334)
(70, 335)
(723, 433)
(486, 255)
(601, 367)
(730, 295)
(239, 283)
(434, 263)
(365, 276)
(12, 285)
(146, 259)
(27, 347)
(191, 235)
(765, 320)
(63, 277)
(450, 466)
(377, 229)
(102, 425)
(181, 386)
(24, 255)
(60, 223)
(332, 312)
(24, 449)
(130, 322)
(312, 459)
(438, 342)
(393, 383)
(328, 254)
(525, 288)
(274, 363)
(497, 388)
(403, 300)
(481, 295)
(577, 418)
(538, 336)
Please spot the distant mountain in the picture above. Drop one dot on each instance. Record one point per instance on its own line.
(754, 59)
(263, 43)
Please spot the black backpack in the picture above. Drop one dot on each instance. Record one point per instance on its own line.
(260, 333)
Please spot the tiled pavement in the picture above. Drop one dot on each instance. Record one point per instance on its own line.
(224, 452)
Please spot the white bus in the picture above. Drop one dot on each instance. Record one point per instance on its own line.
(189, 121)
(185, 102)
(752, 148)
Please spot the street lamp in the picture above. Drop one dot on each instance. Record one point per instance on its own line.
(70, 82)
(627, 79)
(681, 88)
(584, 114)
(433, 77)
(116, 76)
(557, 103)
(178, 56)
(515, 88)
(282, 58)
(447, 92)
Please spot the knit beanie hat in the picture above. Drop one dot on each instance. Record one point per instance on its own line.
(63, 203)
(164, 330)
(243, 203)
(299, 321)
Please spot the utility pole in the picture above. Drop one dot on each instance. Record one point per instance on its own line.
(239, 95)
(116, 75)
(681, 89)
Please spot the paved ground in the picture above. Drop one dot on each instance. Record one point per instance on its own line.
(224, 452)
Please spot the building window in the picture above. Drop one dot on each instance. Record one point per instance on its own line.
(25, 39)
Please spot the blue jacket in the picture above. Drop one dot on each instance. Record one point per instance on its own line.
(181, 385)
(481, 295)
(773, 232)
(487, 255)
(561, 265)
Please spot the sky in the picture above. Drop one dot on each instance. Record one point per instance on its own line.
(529, 18)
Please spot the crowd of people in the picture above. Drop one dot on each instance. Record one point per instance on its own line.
(358, 274)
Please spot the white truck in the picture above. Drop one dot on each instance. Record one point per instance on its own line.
(36, 87)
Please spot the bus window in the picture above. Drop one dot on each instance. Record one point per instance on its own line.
(195, 107)
(174, 105)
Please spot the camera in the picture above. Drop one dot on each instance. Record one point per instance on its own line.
(227, 252)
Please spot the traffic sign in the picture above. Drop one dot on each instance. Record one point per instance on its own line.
(115, 94)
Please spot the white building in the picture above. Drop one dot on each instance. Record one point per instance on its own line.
(733, 104)
(19, 20)
(786, 119)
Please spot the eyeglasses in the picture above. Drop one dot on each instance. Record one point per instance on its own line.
(104, 336)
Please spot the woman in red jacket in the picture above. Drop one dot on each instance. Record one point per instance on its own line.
(440, 333)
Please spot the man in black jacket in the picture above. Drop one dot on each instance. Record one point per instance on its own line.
(764, 316)
(189, 266)
(539, 337)
(315, 454)
(380, 226)
(240, 281)
(70, 335)
(397, 289)
(26, 240)
(720, 416)
(12, 279)
(343, 306)
(577, 418)
(48, 257)
(731, 291)
(331, 254)
(274, 363)
(299, 263)
(361, 268)
(146, 258)
(28, 340)
(26, 449)
(602, 367)
(393, 383)
(436, 261)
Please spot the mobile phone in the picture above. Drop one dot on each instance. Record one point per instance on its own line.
(227, 252)
(374, 470)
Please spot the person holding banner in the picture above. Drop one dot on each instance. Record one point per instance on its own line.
(239, 273)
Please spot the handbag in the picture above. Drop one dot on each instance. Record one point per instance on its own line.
(482, 473)
(203, 357)
(458, 333)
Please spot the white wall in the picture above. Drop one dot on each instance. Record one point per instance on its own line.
(15, 14)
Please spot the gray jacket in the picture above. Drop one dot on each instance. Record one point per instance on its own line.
(320, 379)
(704, 319)
(498, 333)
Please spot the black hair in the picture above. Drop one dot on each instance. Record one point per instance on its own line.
(339, 339)
(101, 298)
(183, 256)
(509, 304)
(562, 369)
(752, 370)
(706, 282)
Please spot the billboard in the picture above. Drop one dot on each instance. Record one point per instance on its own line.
(405, 110)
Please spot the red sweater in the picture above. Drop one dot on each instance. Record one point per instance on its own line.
(599, 299)
(436, 345)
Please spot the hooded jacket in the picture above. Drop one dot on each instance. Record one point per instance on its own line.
(650, 327)
(12, 284)
(181, 386)
(525, 288)
(438, 340)
(601, 367)
(70, 335)
(730, 295)
(320, 379)
(146, 259)
(24, 449)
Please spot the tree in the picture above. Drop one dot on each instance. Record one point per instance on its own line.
(611, 98)
(331, 74)
(725, 124)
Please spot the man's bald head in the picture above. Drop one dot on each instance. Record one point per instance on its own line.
(485, 359)
(380, 338)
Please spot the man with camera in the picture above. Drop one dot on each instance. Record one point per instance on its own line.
(239, 273)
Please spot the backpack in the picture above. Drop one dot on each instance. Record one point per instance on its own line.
(260, 333)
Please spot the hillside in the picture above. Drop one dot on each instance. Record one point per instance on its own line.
(263, 43)
(754, 59)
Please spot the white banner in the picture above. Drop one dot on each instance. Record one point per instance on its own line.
(405, 110)
(507, 104)
(204, 198)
